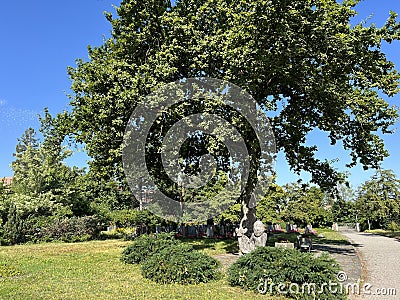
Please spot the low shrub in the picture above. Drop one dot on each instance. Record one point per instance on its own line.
(49, 228)
(128, 234)
(146, 245)
(180, 264)
(265, 268)
(75, 229)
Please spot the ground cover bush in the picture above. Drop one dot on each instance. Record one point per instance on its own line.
(165, 260)
(180, 264)
(145, 245)
(265, 268)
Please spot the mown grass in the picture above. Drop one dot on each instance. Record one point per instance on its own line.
(388, 233)
(272, 238)
(329, 237)
(93, 270)
(323, 236)
(217, 247)
(214, 246)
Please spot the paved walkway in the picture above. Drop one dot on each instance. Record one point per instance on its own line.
(346, 256)
(370, 259)
(381, 264)
(226, 259)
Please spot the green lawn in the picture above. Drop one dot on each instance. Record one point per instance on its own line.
(329, 236)
(324, 236)
(388, 233)
(92, 270)
(214, 246)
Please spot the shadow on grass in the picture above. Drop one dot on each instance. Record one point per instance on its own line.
(223, 246)
(292, 237)
(272, 238)
(334, 249)
(322, 240)
(390, 234)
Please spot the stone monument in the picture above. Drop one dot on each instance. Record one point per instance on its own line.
(257, 239)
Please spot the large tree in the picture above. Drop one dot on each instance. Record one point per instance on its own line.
(302, 61)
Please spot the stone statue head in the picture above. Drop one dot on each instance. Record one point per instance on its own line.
(258, 228)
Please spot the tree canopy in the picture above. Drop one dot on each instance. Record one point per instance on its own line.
(302, 61)
(306, 205)
(377, 200)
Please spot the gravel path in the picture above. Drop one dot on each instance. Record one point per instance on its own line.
(381, 264)
(347, 258)
(226, 259)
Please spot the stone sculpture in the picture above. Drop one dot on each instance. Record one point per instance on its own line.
(257, 239)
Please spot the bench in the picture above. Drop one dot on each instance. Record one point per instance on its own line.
(304, 243)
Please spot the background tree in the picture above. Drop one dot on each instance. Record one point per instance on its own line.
(344, 211)
(377, 200)
(306, 205)
(270, 208)
(40, 170)
(343, 204)
(26, 167)
(232, 215)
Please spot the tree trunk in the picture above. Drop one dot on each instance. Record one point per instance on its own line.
(248, 215)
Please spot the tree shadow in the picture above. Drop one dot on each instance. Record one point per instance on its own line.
(334, 249)
(323, 240)
(226, 245)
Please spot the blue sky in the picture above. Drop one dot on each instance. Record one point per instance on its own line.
(39, 39)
